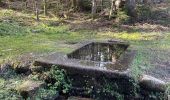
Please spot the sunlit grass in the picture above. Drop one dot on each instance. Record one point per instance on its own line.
(122, 35)
(130, 36)
(13, 46)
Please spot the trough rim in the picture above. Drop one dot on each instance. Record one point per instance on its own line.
(89, 69)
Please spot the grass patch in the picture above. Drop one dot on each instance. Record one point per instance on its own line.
(9, 28)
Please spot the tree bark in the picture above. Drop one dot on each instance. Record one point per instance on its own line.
(111, 9)
(101, 8)
(73, 4)
(36, 10)
(118, 4)
(94, 8)
(26, 4)
(45, 7)
(131, 8)
(9, 5)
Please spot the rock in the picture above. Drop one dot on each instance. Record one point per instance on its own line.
(29, 88)
(78, 98)
(151, 83)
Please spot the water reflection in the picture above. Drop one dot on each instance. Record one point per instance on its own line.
(104, 56)
(100, 52)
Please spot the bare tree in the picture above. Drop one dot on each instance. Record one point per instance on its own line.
(36, 10)
(9, 5)
(45, 7)
(101, 2)
(94, 8)
(111, 9)
(74, 4)
(118, 4)
(131, 8)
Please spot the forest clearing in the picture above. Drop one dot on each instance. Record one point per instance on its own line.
(28, 33)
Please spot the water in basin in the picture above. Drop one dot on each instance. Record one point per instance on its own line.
(100, 52)
(101, 55)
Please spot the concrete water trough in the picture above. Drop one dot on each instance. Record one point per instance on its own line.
(97, 66)
(108, 58)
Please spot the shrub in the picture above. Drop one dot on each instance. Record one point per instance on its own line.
(9, 95)
(47, 94)
(143, 12)
(122, 16)
(61, 81)
(57, 82)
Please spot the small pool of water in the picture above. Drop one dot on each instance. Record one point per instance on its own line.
(92, 57)
(100, 52)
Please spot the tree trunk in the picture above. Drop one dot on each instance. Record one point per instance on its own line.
(118, 4)
(111, 9)
(101, 8)
(45, 7)
(26, 4)
(94, 8)
(9, 5)
(37, 10)
(73, 4)
(131, 8)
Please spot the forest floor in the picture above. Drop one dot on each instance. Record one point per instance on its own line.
(20, 35)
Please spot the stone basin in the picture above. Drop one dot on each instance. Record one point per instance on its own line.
(109, 58)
